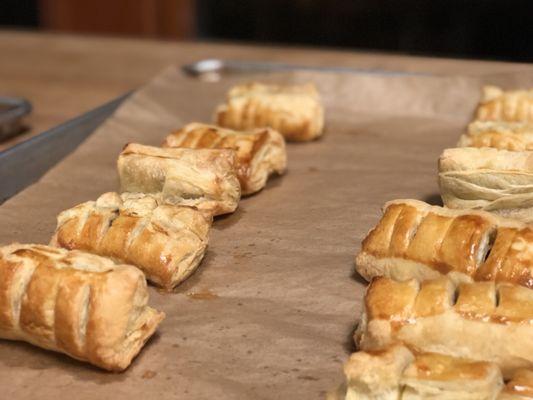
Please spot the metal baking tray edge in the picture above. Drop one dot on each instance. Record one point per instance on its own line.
(10, 119)
(24, 163)
(218, 66)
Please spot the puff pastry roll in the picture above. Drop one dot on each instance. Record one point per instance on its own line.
(480, 321)
(494, 180)
(166, 242)
(260, 152)
(397, 373)
(513, 136)
(508, 106)
(416, 240)
(205, 179)
(294, 111)
(76, 303)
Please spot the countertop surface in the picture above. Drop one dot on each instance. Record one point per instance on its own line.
(65, 75)
(282, 298)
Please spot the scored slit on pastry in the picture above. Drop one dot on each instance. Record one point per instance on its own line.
(488, 179)
(416, 240)
(293, 110)
(484, 321)
(166, 242)
(259, 153)
(201, 178)
(21, 279)
(76, 303)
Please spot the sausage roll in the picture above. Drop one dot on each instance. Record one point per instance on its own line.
(294, 111)
(508, 106)
(397, 373)
(166, 242)
(76, 303)
(481, 321)
(260, 152)
(513, 136)
(416, 240)
(494, 180)
(205, 179)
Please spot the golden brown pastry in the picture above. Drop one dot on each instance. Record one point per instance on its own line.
(205, 178)
(488, 179)
(435, 376)
(76, 303)
(416, 240)
(520, 387)
(481, 321)
(260, 152)
(166, 242)
(375, 375)
(294, 111)
(512, 136)
(508, 106)
(397, 373)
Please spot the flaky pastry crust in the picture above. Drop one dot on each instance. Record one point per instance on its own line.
(166, 242)
(400, 374)
(294, 111)
(509, 106)
(260, 152)
(481, 321)
(488, 179)
(204, 178)
(76, 303)
(512, 136)
(519, 387)
(438, 376)
(416, 240)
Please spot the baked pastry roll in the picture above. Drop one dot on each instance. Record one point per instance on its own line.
(205, 179)
(294, 111)
(481, 321)
(166, 242)
(260, 152)
(494, 180)
(508, 106)
(416, 240)
(75, 303)
(397, 373)
(513, 136)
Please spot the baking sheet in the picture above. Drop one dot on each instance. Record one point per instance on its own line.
(271, 310)
(35, 156)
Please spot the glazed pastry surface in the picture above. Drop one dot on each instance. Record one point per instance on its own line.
(76, 303)
(166, 242)
(260, 152)
(481, 321)
(399, 373)
(520, 386)
(294, 111)
(416, 240)
(203, 178)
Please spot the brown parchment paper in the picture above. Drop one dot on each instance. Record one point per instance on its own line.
(270, 312)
